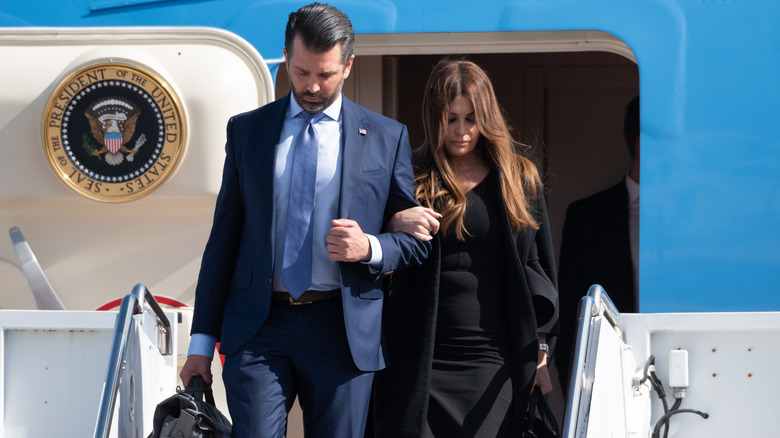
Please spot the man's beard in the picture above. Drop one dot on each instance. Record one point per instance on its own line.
(323, 101)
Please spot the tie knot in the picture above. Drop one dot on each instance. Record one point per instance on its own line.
(311, 117)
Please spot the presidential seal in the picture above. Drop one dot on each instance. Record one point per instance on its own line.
(113, 131)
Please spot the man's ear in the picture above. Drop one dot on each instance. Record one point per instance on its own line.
(348, 67)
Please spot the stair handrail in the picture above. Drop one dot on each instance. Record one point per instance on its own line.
(596, 303)
(132, 303)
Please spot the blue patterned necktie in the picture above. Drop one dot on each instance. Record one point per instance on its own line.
(296, 267)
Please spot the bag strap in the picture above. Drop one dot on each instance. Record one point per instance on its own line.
(539, 403)
(532, 408)
(185, 425)
(197, 388)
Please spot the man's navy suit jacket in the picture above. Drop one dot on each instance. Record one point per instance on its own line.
(233, 295)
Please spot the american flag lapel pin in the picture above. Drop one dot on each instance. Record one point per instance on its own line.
(362, 131)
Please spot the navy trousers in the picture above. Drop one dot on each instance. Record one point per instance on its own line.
(300, 351)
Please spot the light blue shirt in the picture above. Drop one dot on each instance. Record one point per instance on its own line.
(325, 272)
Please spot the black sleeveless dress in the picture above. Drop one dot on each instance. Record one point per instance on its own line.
(471, 388)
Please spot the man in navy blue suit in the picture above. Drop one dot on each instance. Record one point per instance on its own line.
(321, 344)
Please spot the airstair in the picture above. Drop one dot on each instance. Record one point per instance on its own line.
(83, 373)
(672, 375)
(86, 373)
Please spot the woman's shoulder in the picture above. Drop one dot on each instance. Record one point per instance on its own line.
(421, 160)
(418, 153)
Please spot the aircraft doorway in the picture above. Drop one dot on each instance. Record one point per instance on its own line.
(567, 103)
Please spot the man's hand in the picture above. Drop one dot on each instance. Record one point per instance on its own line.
(196, 365)
(347, 242)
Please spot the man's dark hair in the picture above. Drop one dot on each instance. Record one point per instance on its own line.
(320, 27)
(631, 125)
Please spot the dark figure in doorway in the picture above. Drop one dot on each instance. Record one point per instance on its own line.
(600, 245)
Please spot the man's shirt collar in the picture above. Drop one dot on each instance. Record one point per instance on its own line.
(333, 111)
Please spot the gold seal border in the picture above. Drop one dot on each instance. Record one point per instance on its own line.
(67, 171)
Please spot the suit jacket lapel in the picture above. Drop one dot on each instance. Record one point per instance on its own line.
(267, 132)
(356, 134)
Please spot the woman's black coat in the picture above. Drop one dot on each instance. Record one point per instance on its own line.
(401, 390)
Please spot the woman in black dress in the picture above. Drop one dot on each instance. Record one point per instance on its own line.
(468, 331)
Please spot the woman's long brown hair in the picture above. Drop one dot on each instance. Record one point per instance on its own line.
(437, 186)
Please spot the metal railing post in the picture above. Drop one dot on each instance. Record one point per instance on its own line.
(596, 303)
(131, 304)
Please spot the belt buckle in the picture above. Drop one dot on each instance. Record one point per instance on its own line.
(293, 302)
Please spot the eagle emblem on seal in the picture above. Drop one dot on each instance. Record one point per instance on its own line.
(112, 122)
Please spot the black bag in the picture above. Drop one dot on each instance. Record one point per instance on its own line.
(186, 415)
(542, 425)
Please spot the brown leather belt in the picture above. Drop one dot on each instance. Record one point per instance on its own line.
(307, 297)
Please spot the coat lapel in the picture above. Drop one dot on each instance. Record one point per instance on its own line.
(268, 134)
(355, 137)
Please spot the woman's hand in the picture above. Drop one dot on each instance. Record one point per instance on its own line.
(419, 222)
(542, 379)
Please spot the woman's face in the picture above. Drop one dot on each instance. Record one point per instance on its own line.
(462, 133)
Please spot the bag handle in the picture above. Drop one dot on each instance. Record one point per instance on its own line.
(197, 388)
(539, 403)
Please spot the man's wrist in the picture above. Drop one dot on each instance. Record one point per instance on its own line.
(367, 257)
(374, 251)
(202, 345)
